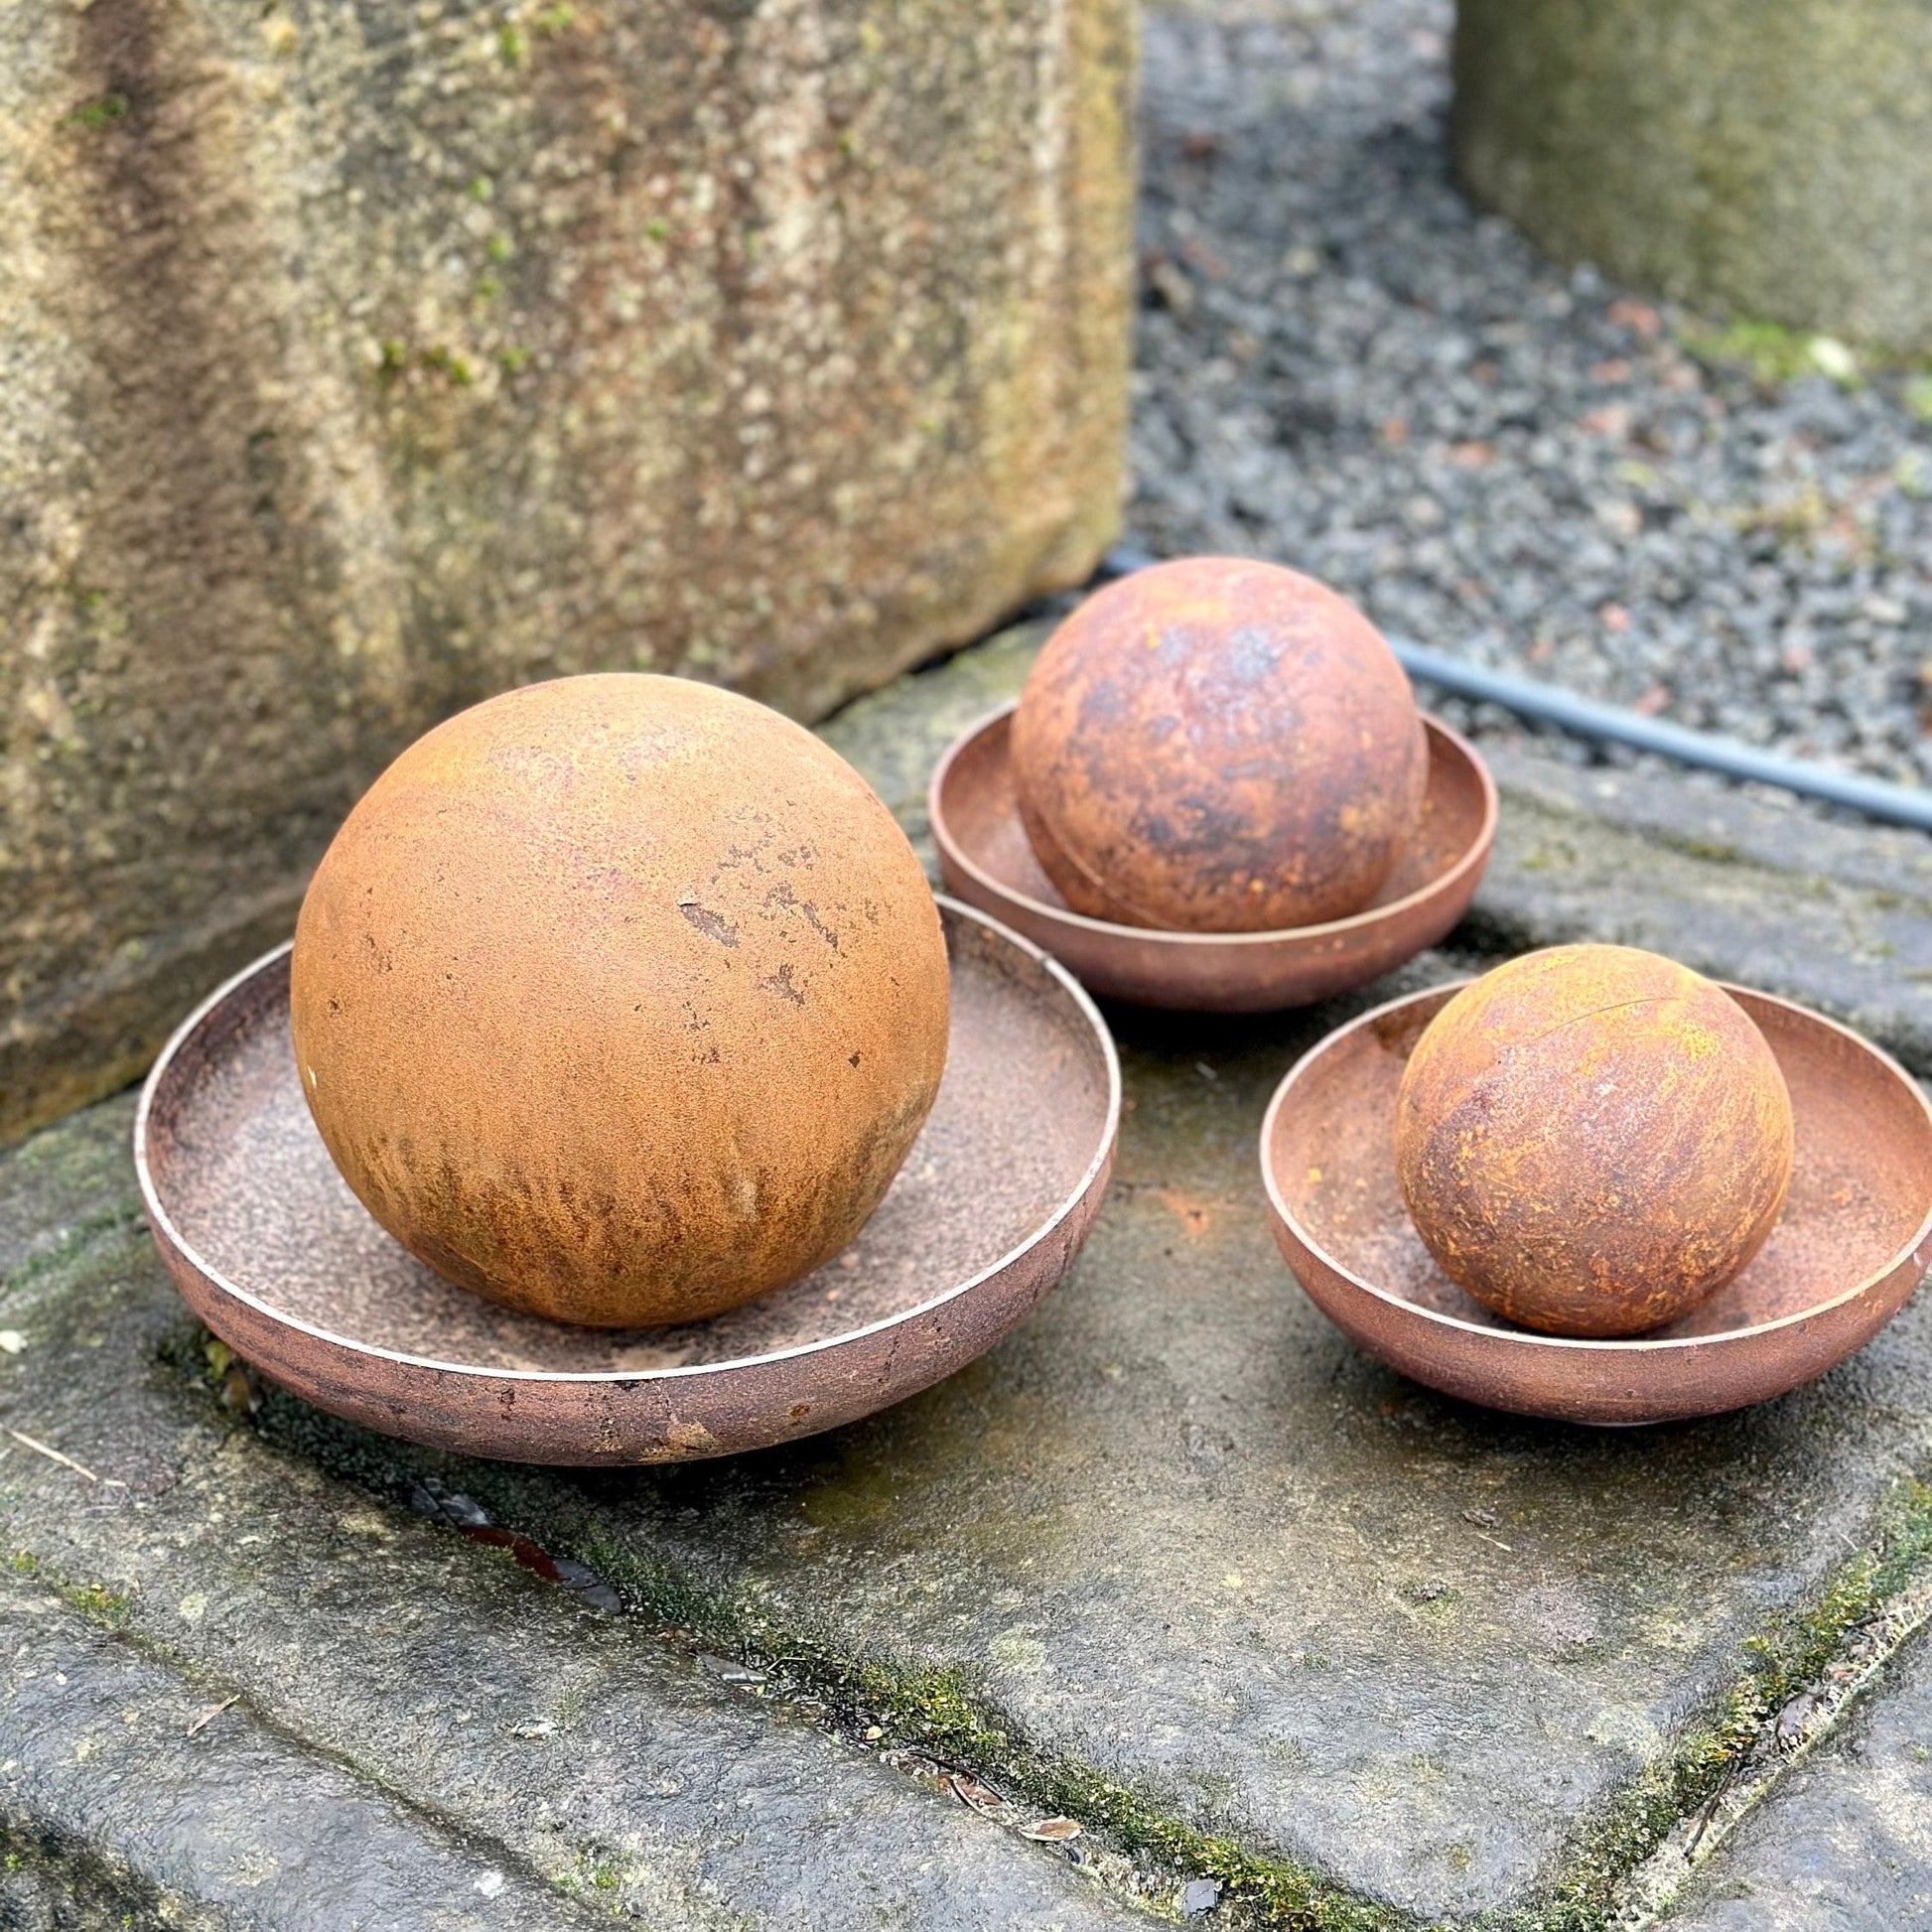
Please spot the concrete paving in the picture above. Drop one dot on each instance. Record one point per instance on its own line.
(1845, 1843)
(1175, 1559)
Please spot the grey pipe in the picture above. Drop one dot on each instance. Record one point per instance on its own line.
(1551, 705)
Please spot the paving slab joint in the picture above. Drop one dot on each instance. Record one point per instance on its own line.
(139, 1902)
(91, 1893)
(1733, 1751)
(918, 1713)
(1807, 1670)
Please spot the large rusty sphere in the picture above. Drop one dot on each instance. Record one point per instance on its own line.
(1592, 1139)
(619, 1000)
(1219, 745)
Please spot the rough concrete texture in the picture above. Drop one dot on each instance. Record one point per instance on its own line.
(412, 1708)
(1175, 1554)
(1766, 895)
(1776, 159)
(365, 359)
(189, 1810)
(1846, 1843)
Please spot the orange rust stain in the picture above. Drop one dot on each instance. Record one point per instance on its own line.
(1195, 1216)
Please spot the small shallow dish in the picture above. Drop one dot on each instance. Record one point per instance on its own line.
(1853, 1242)
(269, 1247)
(984, 858)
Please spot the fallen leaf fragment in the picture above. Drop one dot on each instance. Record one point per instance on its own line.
(1052, 1831)
(981, 1797)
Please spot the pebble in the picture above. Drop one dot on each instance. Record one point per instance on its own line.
(1342, 366)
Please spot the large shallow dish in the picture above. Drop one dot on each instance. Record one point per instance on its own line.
(1855, 1238)
(271, 1250)
(985, 859)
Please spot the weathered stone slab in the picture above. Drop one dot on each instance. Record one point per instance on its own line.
(895, 735)
(365, 359)
(1845, 1843)
(1706, 818)
(1769, 896)
(1176, 1557)
(189, 1810)
(402, 1691)
(1180, 1532)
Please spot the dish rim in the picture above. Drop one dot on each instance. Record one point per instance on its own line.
(167, 1230)
(1611, 1344)
(1475, 855)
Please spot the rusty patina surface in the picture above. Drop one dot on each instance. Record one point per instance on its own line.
(986, 858)
(273, 1252)
(1854, 1239)
(1592, 1139)
(1217, 745)
(619, 1000)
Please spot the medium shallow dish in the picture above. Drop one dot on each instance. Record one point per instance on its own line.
(985, 859)
(1853, 1240)
(271, 1250)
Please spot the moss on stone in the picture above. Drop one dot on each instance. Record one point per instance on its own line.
(1792, 1652)
(107, 1607)
(942, 1710)
(94, 115)
(51, 1260)
(1773, 353)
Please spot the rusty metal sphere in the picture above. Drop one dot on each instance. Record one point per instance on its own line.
(1592, 1139)
(619, 999)
(1219, 745)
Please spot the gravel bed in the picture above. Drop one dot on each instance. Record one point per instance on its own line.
(1342, 366)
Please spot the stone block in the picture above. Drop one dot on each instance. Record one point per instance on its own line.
(365, 359)
(1772, 160)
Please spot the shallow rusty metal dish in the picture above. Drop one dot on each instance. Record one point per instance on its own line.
(986, 859)
(271, 1250)
(1855, 1238)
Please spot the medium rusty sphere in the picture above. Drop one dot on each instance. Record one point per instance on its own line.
(1219, 745)
(1592, 1139)
(619, 1000)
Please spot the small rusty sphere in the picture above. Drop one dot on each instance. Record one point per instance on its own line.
(621, 1000)
(1219, 745)
(1592, 1139)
